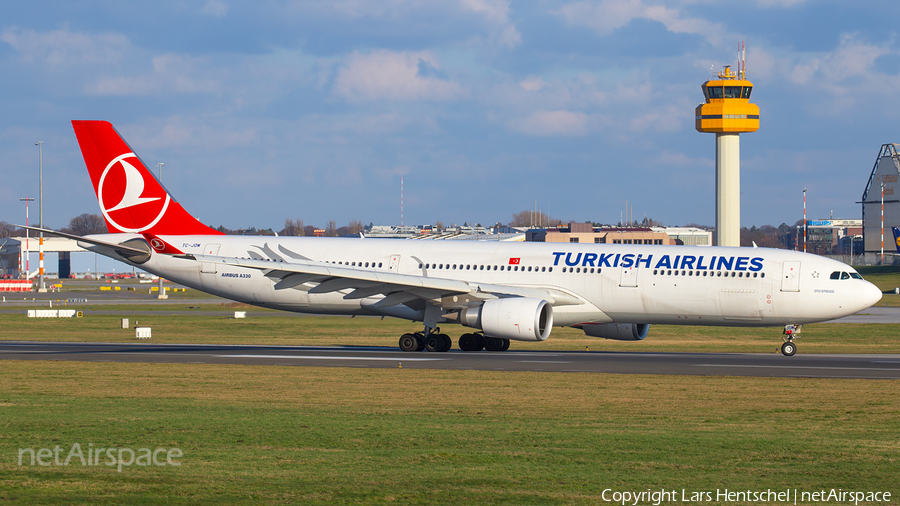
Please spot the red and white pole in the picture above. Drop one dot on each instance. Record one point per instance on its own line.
(804, 220)
(27, 262)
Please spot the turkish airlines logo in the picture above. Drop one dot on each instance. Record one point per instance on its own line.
(157, 244)
(122, 195)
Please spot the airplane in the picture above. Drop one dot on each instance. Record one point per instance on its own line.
(896, 237)
(501, 291)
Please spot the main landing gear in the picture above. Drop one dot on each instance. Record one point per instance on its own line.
(433, 340)
(790, 332)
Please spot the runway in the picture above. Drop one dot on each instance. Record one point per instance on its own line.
(695, 364)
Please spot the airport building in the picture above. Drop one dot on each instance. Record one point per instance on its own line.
(687, 236)
(830, 237)
(587, 233)
(881, 188)
(12, 254)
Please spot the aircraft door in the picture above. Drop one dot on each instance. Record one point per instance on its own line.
(629, 277)
(394, 263)
(209, 267)
(790, 277)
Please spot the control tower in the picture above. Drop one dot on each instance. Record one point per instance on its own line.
(728, 112)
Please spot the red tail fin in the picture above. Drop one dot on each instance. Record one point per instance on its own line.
(131, 199)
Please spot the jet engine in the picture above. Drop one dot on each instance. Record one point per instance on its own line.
(515, 318)
(618, 331)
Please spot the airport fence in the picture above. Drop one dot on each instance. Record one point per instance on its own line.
(867, 259)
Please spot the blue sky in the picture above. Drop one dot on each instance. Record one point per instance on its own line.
(269, 110)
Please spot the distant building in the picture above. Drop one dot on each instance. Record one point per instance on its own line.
(12, 254)
(585, 233)
(687, 236)
(830, 237)
(886, 171)
(429, 232)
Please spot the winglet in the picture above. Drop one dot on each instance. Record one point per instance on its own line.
(131, 199)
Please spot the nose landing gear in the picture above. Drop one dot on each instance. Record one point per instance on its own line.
(790, 332)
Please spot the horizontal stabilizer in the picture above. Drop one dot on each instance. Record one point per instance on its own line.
(126, 250)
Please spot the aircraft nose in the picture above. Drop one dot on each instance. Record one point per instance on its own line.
(871, 294)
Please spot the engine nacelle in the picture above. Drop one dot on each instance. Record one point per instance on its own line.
(618, 331)
(516, 318)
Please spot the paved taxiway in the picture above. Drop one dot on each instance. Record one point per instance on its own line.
(698, 364)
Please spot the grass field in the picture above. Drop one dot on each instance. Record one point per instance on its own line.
(201, 328)
(290, 435)
(296, 435)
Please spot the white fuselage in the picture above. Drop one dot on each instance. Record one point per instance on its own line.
(687, 285)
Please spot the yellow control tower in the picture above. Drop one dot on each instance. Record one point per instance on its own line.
(728, 112)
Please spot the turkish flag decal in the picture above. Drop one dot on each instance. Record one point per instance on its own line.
(514, 261)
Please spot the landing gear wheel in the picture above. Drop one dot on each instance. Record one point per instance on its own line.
(421, 340)
(470, 342)
(788, 349)
(434, 343)
(446, 343)
(494, 344)
(409, 342)
(505, 345)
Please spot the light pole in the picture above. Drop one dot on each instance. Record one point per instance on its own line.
(27, 258)
(40, 145)
(162, 289)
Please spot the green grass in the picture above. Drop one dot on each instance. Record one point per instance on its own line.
(289, 435)
(885, 277)
(269, 329)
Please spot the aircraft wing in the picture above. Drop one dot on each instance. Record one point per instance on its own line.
(320, 277)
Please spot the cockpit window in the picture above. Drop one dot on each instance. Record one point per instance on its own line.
(844, 275)
(836, 275)
(855, 275)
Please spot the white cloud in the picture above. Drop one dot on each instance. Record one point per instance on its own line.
(663, 119)
(532, 84)
(61, 49)
(784, 4)
(852, 58)
(171, 74)
(388, 75)
(215, 8)
(552, 123)
(606, 16)
(497, 13)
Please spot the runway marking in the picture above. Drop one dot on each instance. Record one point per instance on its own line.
(27, 351)
(542, 362)
(804, 367)
(325, 357)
